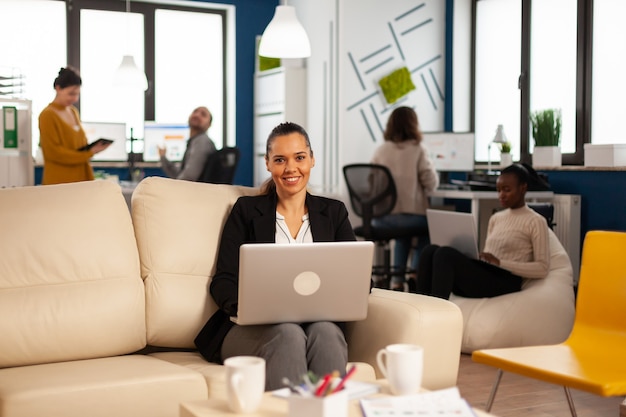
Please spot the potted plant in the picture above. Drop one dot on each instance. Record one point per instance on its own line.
(506, 158)
(546, 131)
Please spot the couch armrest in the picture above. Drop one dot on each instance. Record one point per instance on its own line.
(396, 317)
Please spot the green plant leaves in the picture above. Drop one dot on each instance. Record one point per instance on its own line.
(546, 127)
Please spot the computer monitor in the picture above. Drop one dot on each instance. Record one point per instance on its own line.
(450, 151)
(171, 135)
(116, 131)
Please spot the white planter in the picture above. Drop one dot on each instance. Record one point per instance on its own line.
(547, 156)
(506, 159)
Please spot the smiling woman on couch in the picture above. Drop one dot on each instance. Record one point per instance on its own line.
(284, 212)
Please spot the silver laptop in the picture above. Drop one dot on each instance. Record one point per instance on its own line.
(455, 229)
(322, 281)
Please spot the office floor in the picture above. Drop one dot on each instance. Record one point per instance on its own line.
(518, 396)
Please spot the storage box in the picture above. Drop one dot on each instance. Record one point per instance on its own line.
(334, 405)
(605, 155)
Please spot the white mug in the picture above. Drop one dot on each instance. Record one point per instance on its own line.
(245, 382)
(403, 365)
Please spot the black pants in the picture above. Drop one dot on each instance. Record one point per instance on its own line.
(444, 270)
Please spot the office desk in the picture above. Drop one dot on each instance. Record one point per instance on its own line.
(483, 203)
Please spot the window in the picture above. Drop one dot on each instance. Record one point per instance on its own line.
(33, 44)
(497, 97)
(187, 69)
(609, 60)
(545, 48)
(101, 100)
(185, 47)
(552, 64)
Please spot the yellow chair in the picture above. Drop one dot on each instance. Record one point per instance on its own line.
(592, 358)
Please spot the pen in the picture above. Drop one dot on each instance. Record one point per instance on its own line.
(348, 374)
(322, 387)
(307, 381)
(296, 389)
(329, 387)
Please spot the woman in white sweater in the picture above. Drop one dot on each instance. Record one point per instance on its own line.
(413, 174)
(516, 248)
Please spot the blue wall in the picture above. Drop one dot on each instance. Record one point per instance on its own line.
(603, 198)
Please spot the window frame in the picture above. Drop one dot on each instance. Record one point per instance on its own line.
(148, 9)
(584, 54)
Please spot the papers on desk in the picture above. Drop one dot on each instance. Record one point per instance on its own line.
(442, 403)
(354, 389)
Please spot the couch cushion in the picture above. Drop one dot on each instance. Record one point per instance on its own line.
(542, 313)
(70, 286)
(399, 317)
(178, 225)
(133, 385)
(215, 375)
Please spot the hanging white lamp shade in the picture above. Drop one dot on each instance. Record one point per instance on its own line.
(128, 75)
(285, 37)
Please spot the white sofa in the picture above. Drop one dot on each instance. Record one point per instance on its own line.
(98, 310)
(542, 313)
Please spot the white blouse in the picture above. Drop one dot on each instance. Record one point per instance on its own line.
(282, 231)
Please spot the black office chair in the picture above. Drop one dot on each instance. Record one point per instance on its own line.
(373, 194)
(220, 166)
(546, 210)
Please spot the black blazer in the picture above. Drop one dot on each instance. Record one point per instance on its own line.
(253, 220)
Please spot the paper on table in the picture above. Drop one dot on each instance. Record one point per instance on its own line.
(354, 389)
(441, 403)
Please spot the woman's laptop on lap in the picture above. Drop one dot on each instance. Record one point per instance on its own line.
(305, 282)
(454, 229)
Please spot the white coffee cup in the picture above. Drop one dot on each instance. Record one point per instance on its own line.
(245, 382)
(403, 366)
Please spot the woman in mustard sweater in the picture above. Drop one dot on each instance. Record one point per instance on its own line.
(61, 134)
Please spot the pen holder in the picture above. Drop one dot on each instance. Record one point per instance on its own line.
(334, 405)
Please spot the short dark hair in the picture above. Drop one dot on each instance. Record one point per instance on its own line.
(519, 171)
(67, 77)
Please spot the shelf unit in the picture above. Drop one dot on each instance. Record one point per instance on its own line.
(16, 160)
(279, 96)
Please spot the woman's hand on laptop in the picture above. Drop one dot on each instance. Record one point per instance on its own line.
(488, 257)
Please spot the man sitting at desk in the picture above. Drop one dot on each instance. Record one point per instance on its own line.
(199, 147)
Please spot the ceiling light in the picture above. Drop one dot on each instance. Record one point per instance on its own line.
(285, 36)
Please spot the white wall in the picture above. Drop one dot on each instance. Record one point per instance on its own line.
(355, 43)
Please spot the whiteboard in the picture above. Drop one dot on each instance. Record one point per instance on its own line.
(450, 151)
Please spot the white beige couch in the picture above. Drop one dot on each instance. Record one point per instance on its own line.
(89, 293)
(541, 314)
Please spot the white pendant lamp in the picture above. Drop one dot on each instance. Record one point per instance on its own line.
(128, 75)
(285, 37)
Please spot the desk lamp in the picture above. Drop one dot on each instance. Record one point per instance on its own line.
(500, 137)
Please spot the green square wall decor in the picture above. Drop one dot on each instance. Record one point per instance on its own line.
(396, 85)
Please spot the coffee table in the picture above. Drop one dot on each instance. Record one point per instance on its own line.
(271, 406)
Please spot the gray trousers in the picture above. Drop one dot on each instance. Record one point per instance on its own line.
(290, 349)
